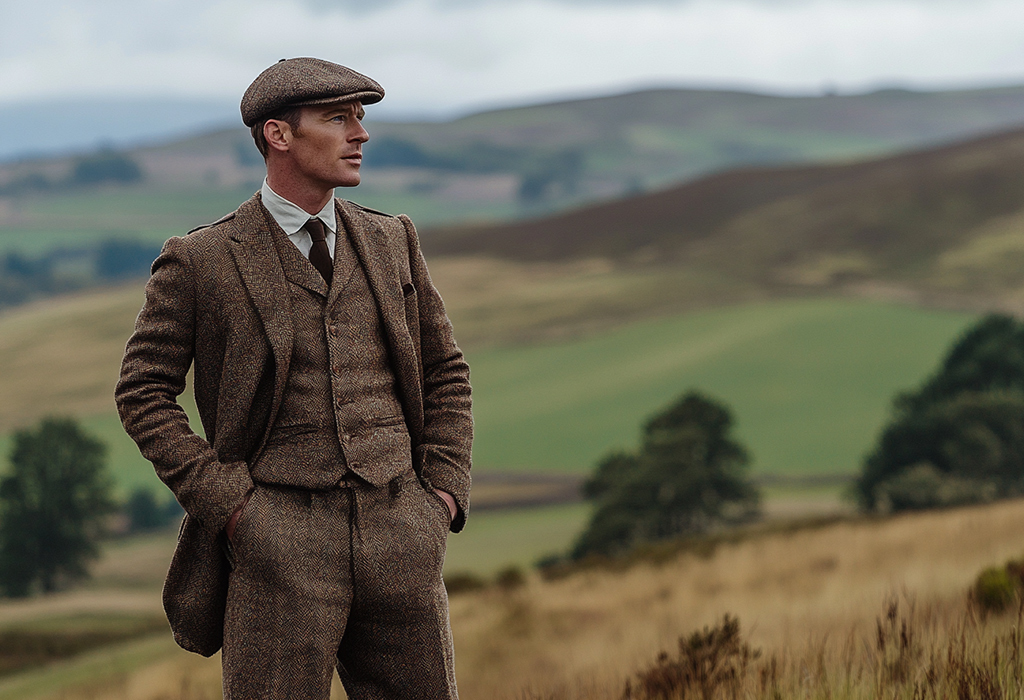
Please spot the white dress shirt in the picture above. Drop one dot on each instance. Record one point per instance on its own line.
(291, 218)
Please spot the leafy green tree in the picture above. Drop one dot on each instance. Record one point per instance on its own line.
(988, 356)
(53, 505)
(145, 513)
(960, 437)
(688, 475)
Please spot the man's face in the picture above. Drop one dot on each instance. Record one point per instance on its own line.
(327, 149)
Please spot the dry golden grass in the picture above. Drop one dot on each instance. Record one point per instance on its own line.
(790, 592)
(808, 598)
(497, 302)
(136, 563)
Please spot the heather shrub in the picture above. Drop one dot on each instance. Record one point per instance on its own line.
(994, 590)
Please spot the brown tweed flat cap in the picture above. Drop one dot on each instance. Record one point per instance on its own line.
(295, 82)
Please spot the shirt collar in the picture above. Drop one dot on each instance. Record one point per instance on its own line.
(291, 217)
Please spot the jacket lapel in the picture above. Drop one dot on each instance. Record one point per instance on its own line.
(260, 268)
(370, 244)
(297, 268)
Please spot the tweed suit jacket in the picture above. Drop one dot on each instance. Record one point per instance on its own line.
(218, 299)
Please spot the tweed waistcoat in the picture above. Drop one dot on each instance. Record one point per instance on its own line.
(339, 411)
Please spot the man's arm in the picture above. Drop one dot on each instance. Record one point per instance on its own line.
(156, 360)
(444, 451)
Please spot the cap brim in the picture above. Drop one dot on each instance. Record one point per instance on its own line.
(366, 97)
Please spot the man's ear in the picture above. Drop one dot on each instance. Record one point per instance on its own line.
(278, 134)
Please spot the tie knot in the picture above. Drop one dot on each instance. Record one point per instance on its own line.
(316, 230)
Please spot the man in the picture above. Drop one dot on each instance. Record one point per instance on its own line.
(336, 410)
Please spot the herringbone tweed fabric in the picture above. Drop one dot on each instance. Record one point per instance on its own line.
(218, 300)
(347, 576)
(305, 81)
(339, 411)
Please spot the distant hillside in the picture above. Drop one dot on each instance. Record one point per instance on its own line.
(651, 138)
(510, 163)
(947, 221)
(43, 124)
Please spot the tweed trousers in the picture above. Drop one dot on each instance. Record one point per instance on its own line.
(346, 578)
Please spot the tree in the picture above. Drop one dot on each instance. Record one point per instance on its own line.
(687, 476)
(960, 437)
(53, 505)
(145, 513)
(106, 166)
(120, 259)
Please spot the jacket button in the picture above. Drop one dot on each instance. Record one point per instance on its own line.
(341, 403)
(335, 331)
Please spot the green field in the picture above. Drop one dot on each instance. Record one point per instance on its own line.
(809, 381)
(75, 219)
(497, 539)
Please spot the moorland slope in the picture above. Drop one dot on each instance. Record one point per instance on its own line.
(945, 224)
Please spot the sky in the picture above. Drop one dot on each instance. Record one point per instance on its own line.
(440, 57)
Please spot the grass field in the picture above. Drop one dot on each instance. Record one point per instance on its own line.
(810, 383)
(35, 225)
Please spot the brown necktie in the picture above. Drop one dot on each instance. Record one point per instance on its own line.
(319, 255)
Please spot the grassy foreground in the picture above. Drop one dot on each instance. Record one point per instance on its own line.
(854, 609)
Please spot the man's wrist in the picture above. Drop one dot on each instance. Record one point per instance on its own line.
(229, 528)
(453, 508)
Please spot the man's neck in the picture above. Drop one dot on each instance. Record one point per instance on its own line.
(309, 198)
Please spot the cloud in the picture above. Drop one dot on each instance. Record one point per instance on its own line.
(445, 55)
(371, 6)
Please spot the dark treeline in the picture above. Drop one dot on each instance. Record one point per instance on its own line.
(103, 167)
(543, 174)
(24, 278)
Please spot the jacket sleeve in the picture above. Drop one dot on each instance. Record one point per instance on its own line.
(156, 360)
(444, 452)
